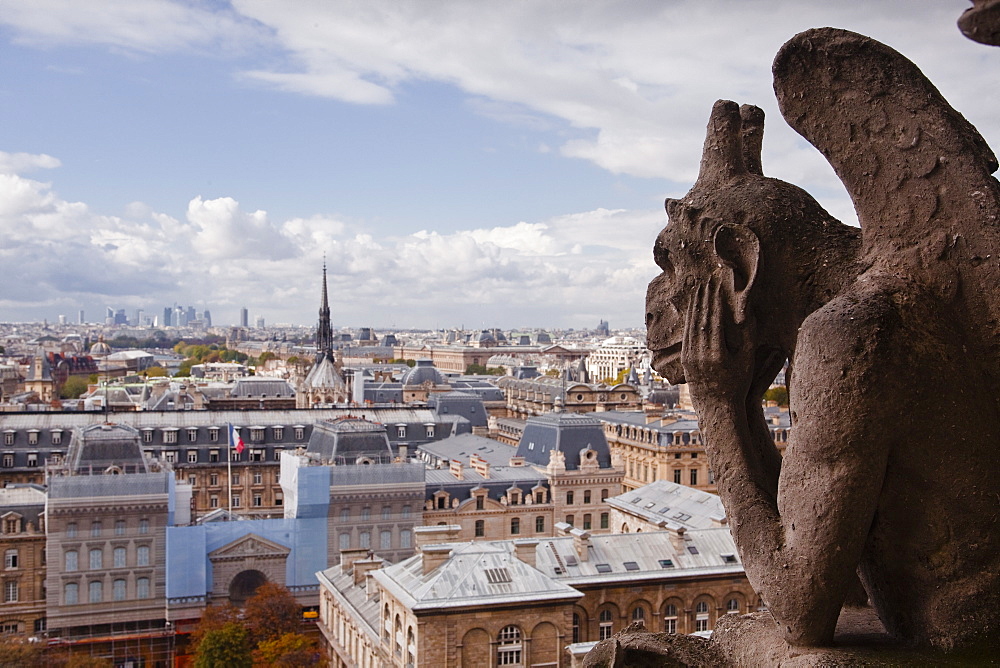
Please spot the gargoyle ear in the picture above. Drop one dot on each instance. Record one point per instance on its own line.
(722, 154)
(738, 248)
(752, 137)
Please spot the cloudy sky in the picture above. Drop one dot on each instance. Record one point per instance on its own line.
(457, 163)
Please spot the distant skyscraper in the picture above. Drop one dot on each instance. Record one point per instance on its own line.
(260, 322)
(120, 318)
(207, 317)
(191, 315)
(138, 317)
(167, 311)
(81, 317)
(244, 317)
(62, 320)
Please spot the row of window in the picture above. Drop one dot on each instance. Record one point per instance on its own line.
(193, 457)
(55, 437)
(384, 539)
(237, 501)
(571, 497)
(253, 434)
(213, 479)
(119, 558)
(95, 591)
(97, 528)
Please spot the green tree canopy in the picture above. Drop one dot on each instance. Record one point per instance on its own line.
(73, 387)
(777, 394)
(226, 647)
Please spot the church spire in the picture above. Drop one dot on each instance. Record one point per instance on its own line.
(324, 332)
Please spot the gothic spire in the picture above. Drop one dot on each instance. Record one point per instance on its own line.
(324, 332)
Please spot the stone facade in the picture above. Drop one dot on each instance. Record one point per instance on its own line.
(22, 543)
(540, 395)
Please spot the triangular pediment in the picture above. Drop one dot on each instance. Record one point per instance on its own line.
(250, 545)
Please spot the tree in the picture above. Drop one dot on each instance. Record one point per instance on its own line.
(271, 612)
(226, 647)
(214, 618)
(777, 394)
(18, 653)
(73, 387)
(155, 372)
(288, 651)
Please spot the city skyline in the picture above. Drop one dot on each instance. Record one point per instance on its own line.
(455, 163)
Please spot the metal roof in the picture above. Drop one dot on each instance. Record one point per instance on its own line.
(672, 506)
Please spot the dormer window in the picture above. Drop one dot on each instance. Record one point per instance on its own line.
(33, 437)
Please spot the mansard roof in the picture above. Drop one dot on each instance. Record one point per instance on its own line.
(572, 433)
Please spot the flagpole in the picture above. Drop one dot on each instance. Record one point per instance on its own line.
(229, 469)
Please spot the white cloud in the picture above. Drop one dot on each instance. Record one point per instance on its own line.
(18, 163)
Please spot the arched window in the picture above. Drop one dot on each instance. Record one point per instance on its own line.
(72, 593)
(142, 555)
(569, 498)
(72, 560)
(411, 647)
(606, 624)
(509, 646)
(118, 590)
(576, 627)
(733, 606)
(142, 588)
(119, 557)
(96, 592)
(96, 559)
(399, 637)
(639, 614)
(701, 616)
(386, 624)
(670, 618)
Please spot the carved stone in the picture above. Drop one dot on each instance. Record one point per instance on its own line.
(892, 333)
(981, 22)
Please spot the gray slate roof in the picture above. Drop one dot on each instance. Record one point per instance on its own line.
(672, 506)
(569, 432)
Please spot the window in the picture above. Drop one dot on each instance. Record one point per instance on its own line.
(12, 525)
(604, 520)
(257, 434)
(586, 522)
(10, 591)
(576, 627)
(257, 454)
(119, 527)
(509, 646)
(694, 477)
(569, 520)
(385, 540)
(213, 436)
(95, 529)
(142, 555)
(32, 459)
(71, 530)
(701, 616)
(366, 513)
(299, 433)
(10, 558)
(365, 539)
(119, 557)
(235, 501)
(56, 437)
(147, 435)
(639, 614)
(386, 512)
(279, 433)
(407, 511)
(677, 476)
(569, 498)
(32, 438)
(430, 431)
(192, 480)
(515, 525)
(72, 561)
(8, 461)
(213, 456)
(71, 593)
(213, 501)
(606, 624)
(258, 500)
(345, 514)
(96, 559)
(236, 479)
(586, 496)
(96, 590)
(400, 431)
(234, 456)
(169, 436)
(278, 499)
(192, 456)
(118, 590)
(258, 478)
(345, 541)
(8, 438)
(540, 524)
(733, 606)
(142, 588)
(277, 454)
(670, 618)
(480, 528)
(480, 501)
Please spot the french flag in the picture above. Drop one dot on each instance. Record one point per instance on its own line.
(235, 441)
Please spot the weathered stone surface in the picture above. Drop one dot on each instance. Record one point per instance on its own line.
(981, 22)
(894, 345)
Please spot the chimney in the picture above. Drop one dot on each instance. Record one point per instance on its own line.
(517, 461)
(524, 550)
(480, 466)
(434, 555)
(563, 528)
(349, 556)
(455, 468)
(433, 535)
(581, 542)
(362, 566)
